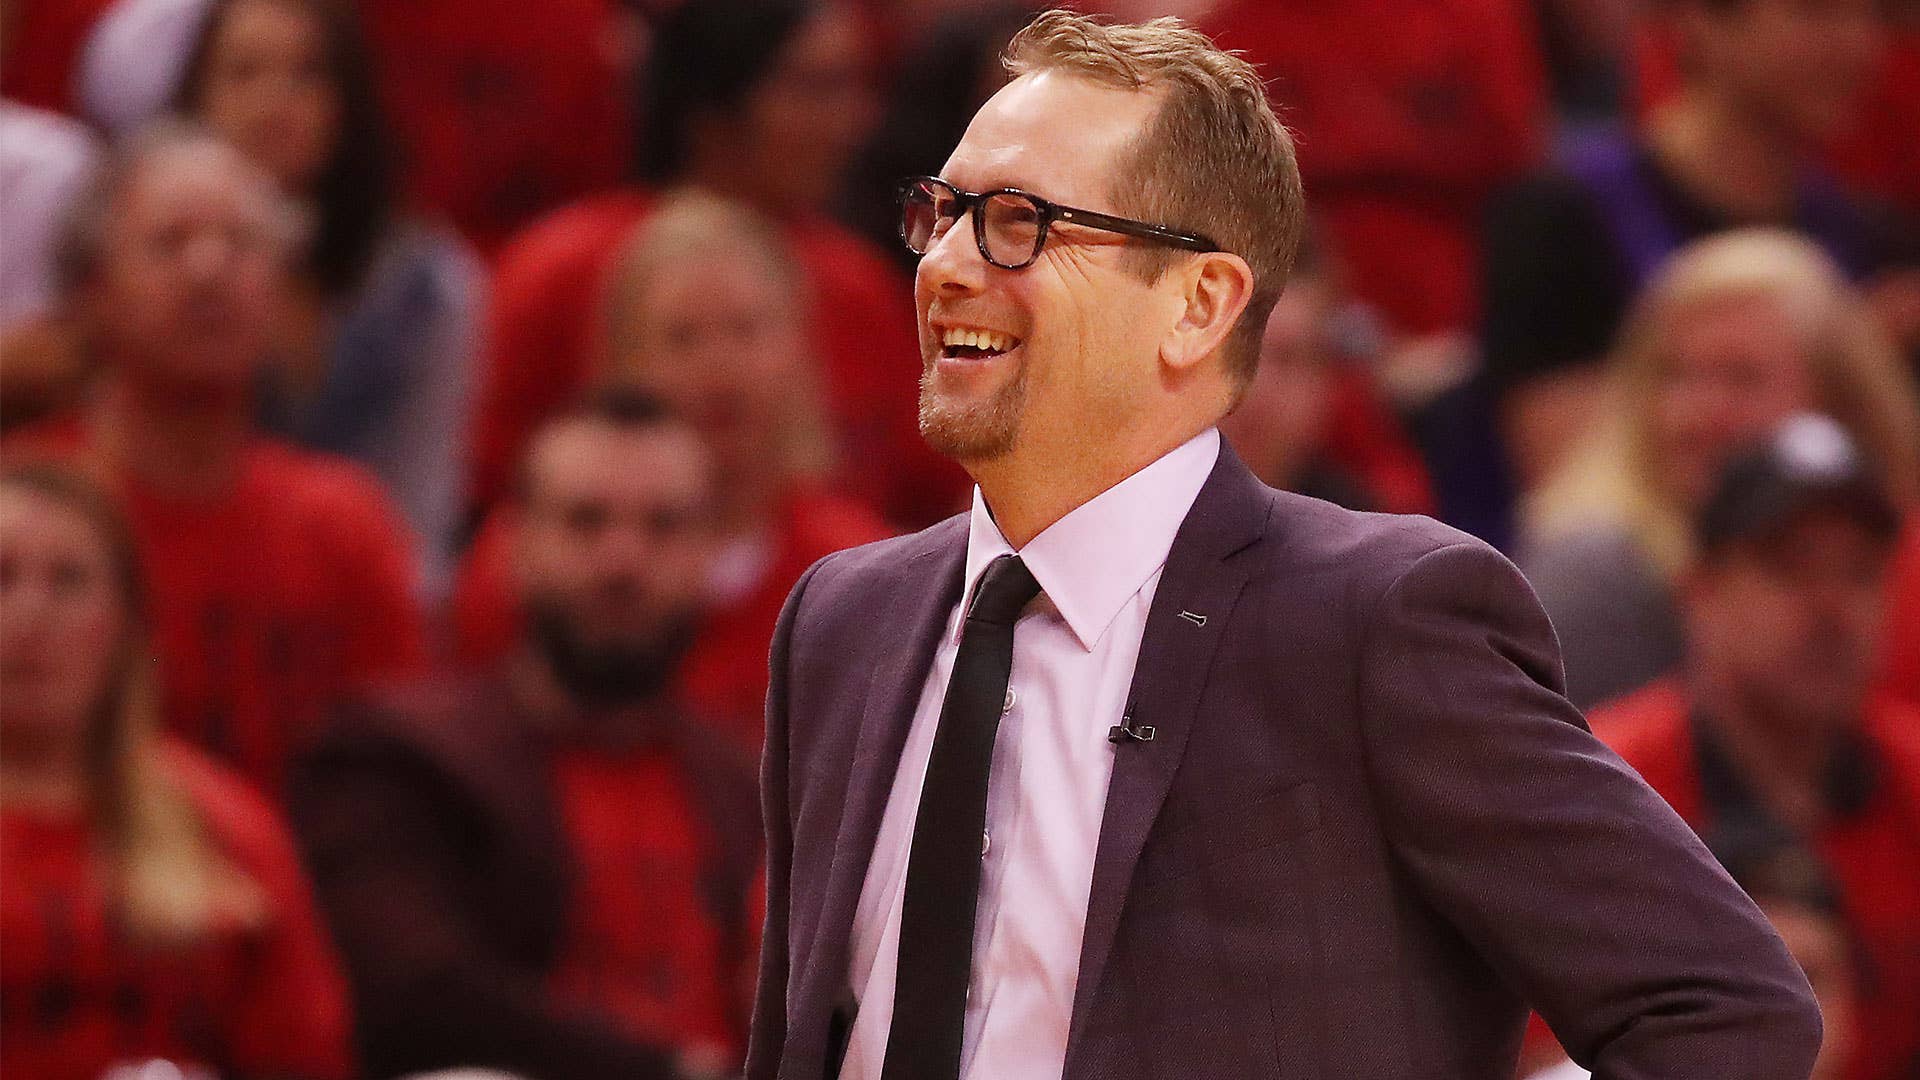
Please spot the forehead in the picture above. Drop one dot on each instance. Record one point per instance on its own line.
(1054, 133)
(586, 460)
(28, 515)
(204, 179)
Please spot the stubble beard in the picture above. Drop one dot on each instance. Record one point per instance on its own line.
(971, 433)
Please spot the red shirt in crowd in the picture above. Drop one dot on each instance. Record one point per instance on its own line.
(1872, 853)
(724, 677)
(506, 111)
(42, 47)
(1902, 672)
(1409, 113)
(541, 345)
(77, 997)
(269, 603)
(641, 949)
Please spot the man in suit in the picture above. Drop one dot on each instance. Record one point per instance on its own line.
(1206, 780)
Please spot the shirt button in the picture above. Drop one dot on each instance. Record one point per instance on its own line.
(1006, 706)
(986, 843)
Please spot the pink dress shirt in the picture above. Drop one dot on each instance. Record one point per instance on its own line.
(1073, 657)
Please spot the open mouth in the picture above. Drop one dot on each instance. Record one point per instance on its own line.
(963, 343)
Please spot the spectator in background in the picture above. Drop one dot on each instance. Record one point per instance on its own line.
(378, 348)
(1770, 728)
(45, 159)
(1311, 420)
(1871, 149)
(1764, 81)
(546, 868)
(1737, 333)
(507, 109)
(762, 101)
(704, 310)
(1410, 113)
(280, 577)
(154, 907)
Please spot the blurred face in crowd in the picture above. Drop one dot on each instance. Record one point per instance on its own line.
(1736, 368)
(1818, 943)
(615, 541)
(803, 121)
(192, 270)
(1067, 349)
(1801, 64)
(1282, 420)
(1791, 623)
(719, 341)
(268, 89)
(62, 620)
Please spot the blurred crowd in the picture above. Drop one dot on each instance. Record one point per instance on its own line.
(412, 418)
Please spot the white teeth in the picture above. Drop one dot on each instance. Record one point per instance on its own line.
(990, 340)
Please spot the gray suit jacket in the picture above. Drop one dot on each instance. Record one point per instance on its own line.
(1369, 832)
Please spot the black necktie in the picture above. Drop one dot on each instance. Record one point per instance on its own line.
(943, 869)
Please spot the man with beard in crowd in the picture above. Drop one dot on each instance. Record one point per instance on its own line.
(545, 868)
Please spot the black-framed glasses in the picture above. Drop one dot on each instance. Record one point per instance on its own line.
(1009, 225)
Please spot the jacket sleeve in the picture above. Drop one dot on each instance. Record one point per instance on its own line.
(768, 1034)
(382, 836)
(1571, 877)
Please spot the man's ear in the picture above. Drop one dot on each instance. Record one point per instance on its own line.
(1215, 288)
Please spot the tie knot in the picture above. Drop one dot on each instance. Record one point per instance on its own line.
(1005, 587)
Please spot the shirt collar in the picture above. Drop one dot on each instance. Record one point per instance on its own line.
(1092, 561)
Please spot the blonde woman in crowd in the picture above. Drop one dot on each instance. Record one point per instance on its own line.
(1737, 332)
(154, 908)
(705, 310)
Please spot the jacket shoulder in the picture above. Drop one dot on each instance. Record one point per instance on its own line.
(1318, 536)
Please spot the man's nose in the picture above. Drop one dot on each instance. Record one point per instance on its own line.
(953, 263)
(207, 256)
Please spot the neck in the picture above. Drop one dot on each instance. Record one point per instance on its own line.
(559, 717)
(43, 778)
(179, 441)
(1032, 487)
(1727, 155)
(1783, 758)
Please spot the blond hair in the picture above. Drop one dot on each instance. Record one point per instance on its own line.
(1612, 478)
(687, 227)
(1215, 160)
(170, 881)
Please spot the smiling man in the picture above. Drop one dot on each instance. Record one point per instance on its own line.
(1144, 769)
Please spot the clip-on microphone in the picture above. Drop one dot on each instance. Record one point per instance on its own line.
(1126, 730)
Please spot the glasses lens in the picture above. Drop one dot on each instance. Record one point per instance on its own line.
(1013, 229)
(925, 211)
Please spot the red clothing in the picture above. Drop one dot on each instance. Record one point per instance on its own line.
(640, 947)
(1902, 672)
(247, 1001)
(270, 603)
(42, 50)
(504, 116)
(1409, 113)
(541, 345)
(1875, 152)
(1873, 855)
(724, 677)
(1365, 439)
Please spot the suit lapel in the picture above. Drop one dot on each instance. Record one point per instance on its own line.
(917, 605)
(1176, 653)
